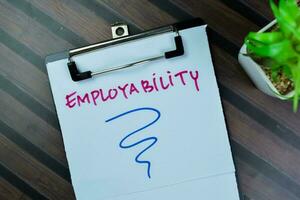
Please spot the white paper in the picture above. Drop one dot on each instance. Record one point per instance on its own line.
(185, 146)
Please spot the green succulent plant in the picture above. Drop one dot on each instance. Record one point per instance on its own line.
(282, 46)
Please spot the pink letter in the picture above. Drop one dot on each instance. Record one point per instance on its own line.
(102, 95)
(133, 89)
(170, 78)
(146, 86)
(82, 100)
(181, 76)
(114, 95)
(70, 103)
(162, 84)
(123, 90)
(195, 78)
(154, 82)
(109, 95)
(95, 94)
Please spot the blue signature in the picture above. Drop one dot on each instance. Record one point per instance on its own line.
(153, 139)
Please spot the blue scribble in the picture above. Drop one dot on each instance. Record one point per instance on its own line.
(153, 139)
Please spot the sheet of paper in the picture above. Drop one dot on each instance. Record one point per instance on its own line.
(141, 129)
(212, 188)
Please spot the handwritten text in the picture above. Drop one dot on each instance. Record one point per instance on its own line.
(155, 84)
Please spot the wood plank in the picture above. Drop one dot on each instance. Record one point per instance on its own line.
(139, 9)
(31, 127)
(260, 6)
(263, 143)
(139, 12)
(31, 171)
(7, 191)
(77, 18)
(27, 77)
(247, 11)
(27, 31)
(222, 19)
(25, 197)
(255, 185)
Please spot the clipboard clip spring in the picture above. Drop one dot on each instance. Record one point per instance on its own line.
(76, 75)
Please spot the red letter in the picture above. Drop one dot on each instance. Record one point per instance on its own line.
(181, 76)
(102, 96)
(123, 90)
(82, 100)
(112, 96)
(109, 95)
(162, 84)
(133, 89)
(195, 78)
(70, 103)
(154, 82)
(170, 78)
(95, 94)
(146, 86)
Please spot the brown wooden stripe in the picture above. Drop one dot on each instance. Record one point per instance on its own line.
(50, 23)
(107, 14)
(255, 138)
(40, 177)
(261, 7)
(29, 102)
(29, 32)
(8, 191)
(131, 10)
(75, 17)
(209, 12)
(22, 50)
(20, 184)
(35, 83)
(266, 169)
(31, 127)
(247, 11)
(25, 197)
(34, 151)
(257, 186)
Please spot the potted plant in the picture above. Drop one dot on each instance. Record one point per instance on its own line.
(271, 57)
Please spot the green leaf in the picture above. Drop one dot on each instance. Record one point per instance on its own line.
(296, 79)
(286, 24)
(287, 71)
(292, 7)
(286, 14)
(265, 38)
(281, 51)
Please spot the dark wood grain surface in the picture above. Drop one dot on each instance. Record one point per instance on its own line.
(264, 132)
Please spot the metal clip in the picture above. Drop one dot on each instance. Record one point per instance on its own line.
(119, 30)
(122, 36)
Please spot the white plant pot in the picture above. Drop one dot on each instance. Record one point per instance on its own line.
(256, 73)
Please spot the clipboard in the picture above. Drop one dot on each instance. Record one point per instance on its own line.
(141, 116)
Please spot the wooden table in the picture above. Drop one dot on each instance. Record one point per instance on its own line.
(264, 132)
